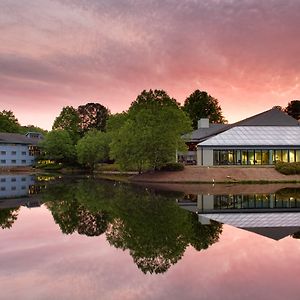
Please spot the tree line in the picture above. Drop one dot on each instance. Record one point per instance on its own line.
(146, 136)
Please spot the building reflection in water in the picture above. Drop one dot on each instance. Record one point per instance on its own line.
(274, 215)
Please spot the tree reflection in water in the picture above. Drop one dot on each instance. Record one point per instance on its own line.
(151, 225)
(8, 216)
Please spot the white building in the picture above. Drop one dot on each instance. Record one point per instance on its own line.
(259, 140)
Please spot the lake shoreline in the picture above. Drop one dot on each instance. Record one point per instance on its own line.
(220, 175)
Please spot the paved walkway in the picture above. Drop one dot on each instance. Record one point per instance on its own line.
(217, 174)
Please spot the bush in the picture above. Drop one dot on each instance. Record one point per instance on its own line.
(288, 168)
(172, 167)
(49, 166)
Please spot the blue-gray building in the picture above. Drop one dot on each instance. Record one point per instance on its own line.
(18, 150)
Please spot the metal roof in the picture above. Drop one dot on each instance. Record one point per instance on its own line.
(271, 117)
(256, 135)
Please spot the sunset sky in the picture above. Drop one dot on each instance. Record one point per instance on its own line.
(70, 52)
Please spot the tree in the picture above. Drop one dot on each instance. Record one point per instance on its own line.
(59, 146)
(152, 133)
(69, 120)
(32, 128)
(293, 109)
(201, 105)
(8, 122)
(92, 116)
(92, 148)
(8, 216)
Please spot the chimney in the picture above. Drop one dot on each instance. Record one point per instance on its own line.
(203, 123)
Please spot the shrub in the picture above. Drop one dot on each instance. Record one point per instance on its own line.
(172, 167)
(288, 168)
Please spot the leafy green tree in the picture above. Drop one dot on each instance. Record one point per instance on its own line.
(8, 122)
(152, 132)
(293, 109)
(32, 128)
(92, 148)
(58, 145)
(202, 105)
(92, 116)
(68, 120)
(8, 216)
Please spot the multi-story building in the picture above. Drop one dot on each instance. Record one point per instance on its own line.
(18, 150)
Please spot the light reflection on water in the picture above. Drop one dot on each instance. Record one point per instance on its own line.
(127, 242)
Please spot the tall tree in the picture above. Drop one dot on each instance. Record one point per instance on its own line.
(69, 120)
(202, 105)
(92, 116)
(92, 148)
(293, 109)
(59, 146)
(8, 122)
(151, 134)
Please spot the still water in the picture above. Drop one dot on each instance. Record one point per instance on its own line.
(80, 238)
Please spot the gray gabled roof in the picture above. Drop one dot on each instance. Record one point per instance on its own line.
(202, 133)
(271, 117)
(16, 138)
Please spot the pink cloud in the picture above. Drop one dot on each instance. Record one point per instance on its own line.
(57, 53)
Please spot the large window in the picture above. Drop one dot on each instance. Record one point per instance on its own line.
(254, 156)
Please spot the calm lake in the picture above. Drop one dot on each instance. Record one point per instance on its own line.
(84, 238)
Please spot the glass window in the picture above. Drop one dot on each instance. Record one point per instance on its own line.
(3, 152)
(244, 157)
(3, 161)
(3, 188)
(257, 156)
(13, 188)
(297, 155)
(265, 155)
(285, 156)
(216, 157)
(292, 155)
(23, 152)
(237, 155)
(230, 157)
(13, 152)
(13, 179)
(23, 179)
(13, 161)
(3, 180)
(251, 157)
(277, 155)
(23, 161)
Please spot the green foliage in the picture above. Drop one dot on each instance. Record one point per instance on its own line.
(151, 225)
(92, 116)
(68, 120)
(59, 146)
(293, 109)
(93, 148)
(32, 128)
(8, 122)
(201, 105)
(172, 167)
(49, 166)
(288, 168)
(152, 132)
(8, 216)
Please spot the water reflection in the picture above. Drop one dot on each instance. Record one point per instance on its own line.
(274, 215)
(151, 225)
(19, 190)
